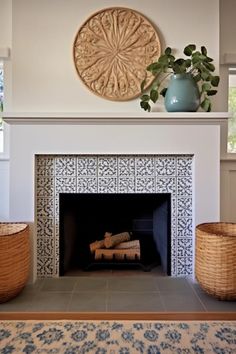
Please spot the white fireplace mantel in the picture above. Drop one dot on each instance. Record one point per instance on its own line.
(203, 135)
(115, 117)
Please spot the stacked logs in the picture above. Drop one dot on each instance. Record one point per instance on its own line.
(116, 247)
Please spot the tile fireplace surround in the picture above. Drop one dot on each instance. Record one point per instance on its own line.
(113, 174)
(135, 153)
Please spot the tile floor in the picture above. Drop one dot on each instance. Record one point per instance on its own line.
(116, 291)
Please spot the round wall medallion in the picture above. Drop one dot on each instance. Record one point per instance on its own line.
(112, 50)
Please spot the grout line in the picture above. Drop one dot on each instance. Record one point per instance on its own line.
(198, 297)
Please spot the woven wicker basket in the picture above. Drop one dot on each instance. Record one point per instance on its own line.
(14, 259)
(215, 263)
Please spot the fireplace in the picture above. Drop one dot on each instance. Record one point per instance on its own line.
(85, 218)
(163, 182)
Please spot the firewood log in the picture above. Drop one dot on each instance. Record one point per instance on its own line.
(114, 240)
(107, 234)
(96, 245)
(130, 244)
(117, 254)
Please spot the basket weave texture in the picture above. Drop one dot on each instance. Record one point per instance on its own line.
(14, 259)
(215, 263)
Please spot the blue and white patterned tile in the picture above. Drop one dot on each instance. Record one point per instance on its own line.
(107, 185)
(184, 186)
(107, 166)
(184, 227)
(65, 166)
(173, 205)
(173, 228)
(44, 186)
(45, 227)
(184, 166)
(65, 185)
(45, 247)
(87, 185)
(184, 266)
(126, 185)
(144, 166)
(184, 207)
(173, 266)
(173, 248)
(145, 185)
(44, 165)
(45, 267)
(166, 185)
(184, 247)
(45, 207)
(57, 209)
(87, 166)
(165, 166)
(126, 166)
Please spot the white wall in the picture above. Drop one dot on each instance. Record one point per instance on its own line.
(43, 73)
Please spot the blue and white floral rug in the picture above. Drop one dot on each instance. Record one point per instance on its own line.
(117, 337)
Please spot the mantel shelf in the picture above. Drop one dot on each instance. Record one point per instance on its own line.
(118, 117)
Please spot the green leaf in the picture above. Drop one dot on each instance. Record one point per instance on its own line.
(208, 59)
(153, 66)
(163, 91)
(211, 92)
(189, 49)
(206, 87)
(163, 59)
(168, 51)
(145, 98)
(204, 50)
(188, 63)
(209, 66)
(205, 104)
(154, 95)
(145, 105)
(204, 74)
(197, 77)
(142, 85)
(215, 81)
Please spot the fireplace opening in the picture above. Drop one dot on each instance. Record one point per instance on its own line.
(114, 230)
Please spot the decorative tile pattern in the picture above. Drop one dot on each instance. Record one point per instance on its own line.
(126, 185)
(57, 174)
(65, 185)
(166, 166)
(44, 166)
(126, 166)
(86, 166)
(184, 166)
(166, 185)
(107, 185)
(107, 166)
(145, 185)
(65, 166)
(87, 185)
(45, 186)
(184, 186)
(144, 166)
(184, 207)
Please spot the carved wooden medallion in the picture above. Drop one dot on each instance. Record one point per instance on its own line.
(112, 50)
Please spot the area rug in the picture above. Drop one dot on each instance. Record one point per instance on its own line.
(117, 337)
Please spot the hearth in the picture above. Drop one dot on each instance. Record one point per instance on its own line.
(138, 225)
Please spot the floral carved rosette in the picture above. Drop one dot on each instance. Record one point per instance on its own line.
(112, 50)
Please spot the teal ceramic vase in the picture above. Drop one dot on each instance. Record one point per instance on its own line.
(182, 94)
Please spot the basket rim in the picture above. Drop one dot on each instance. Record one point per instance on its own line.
(19, 228)
(200, 227)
